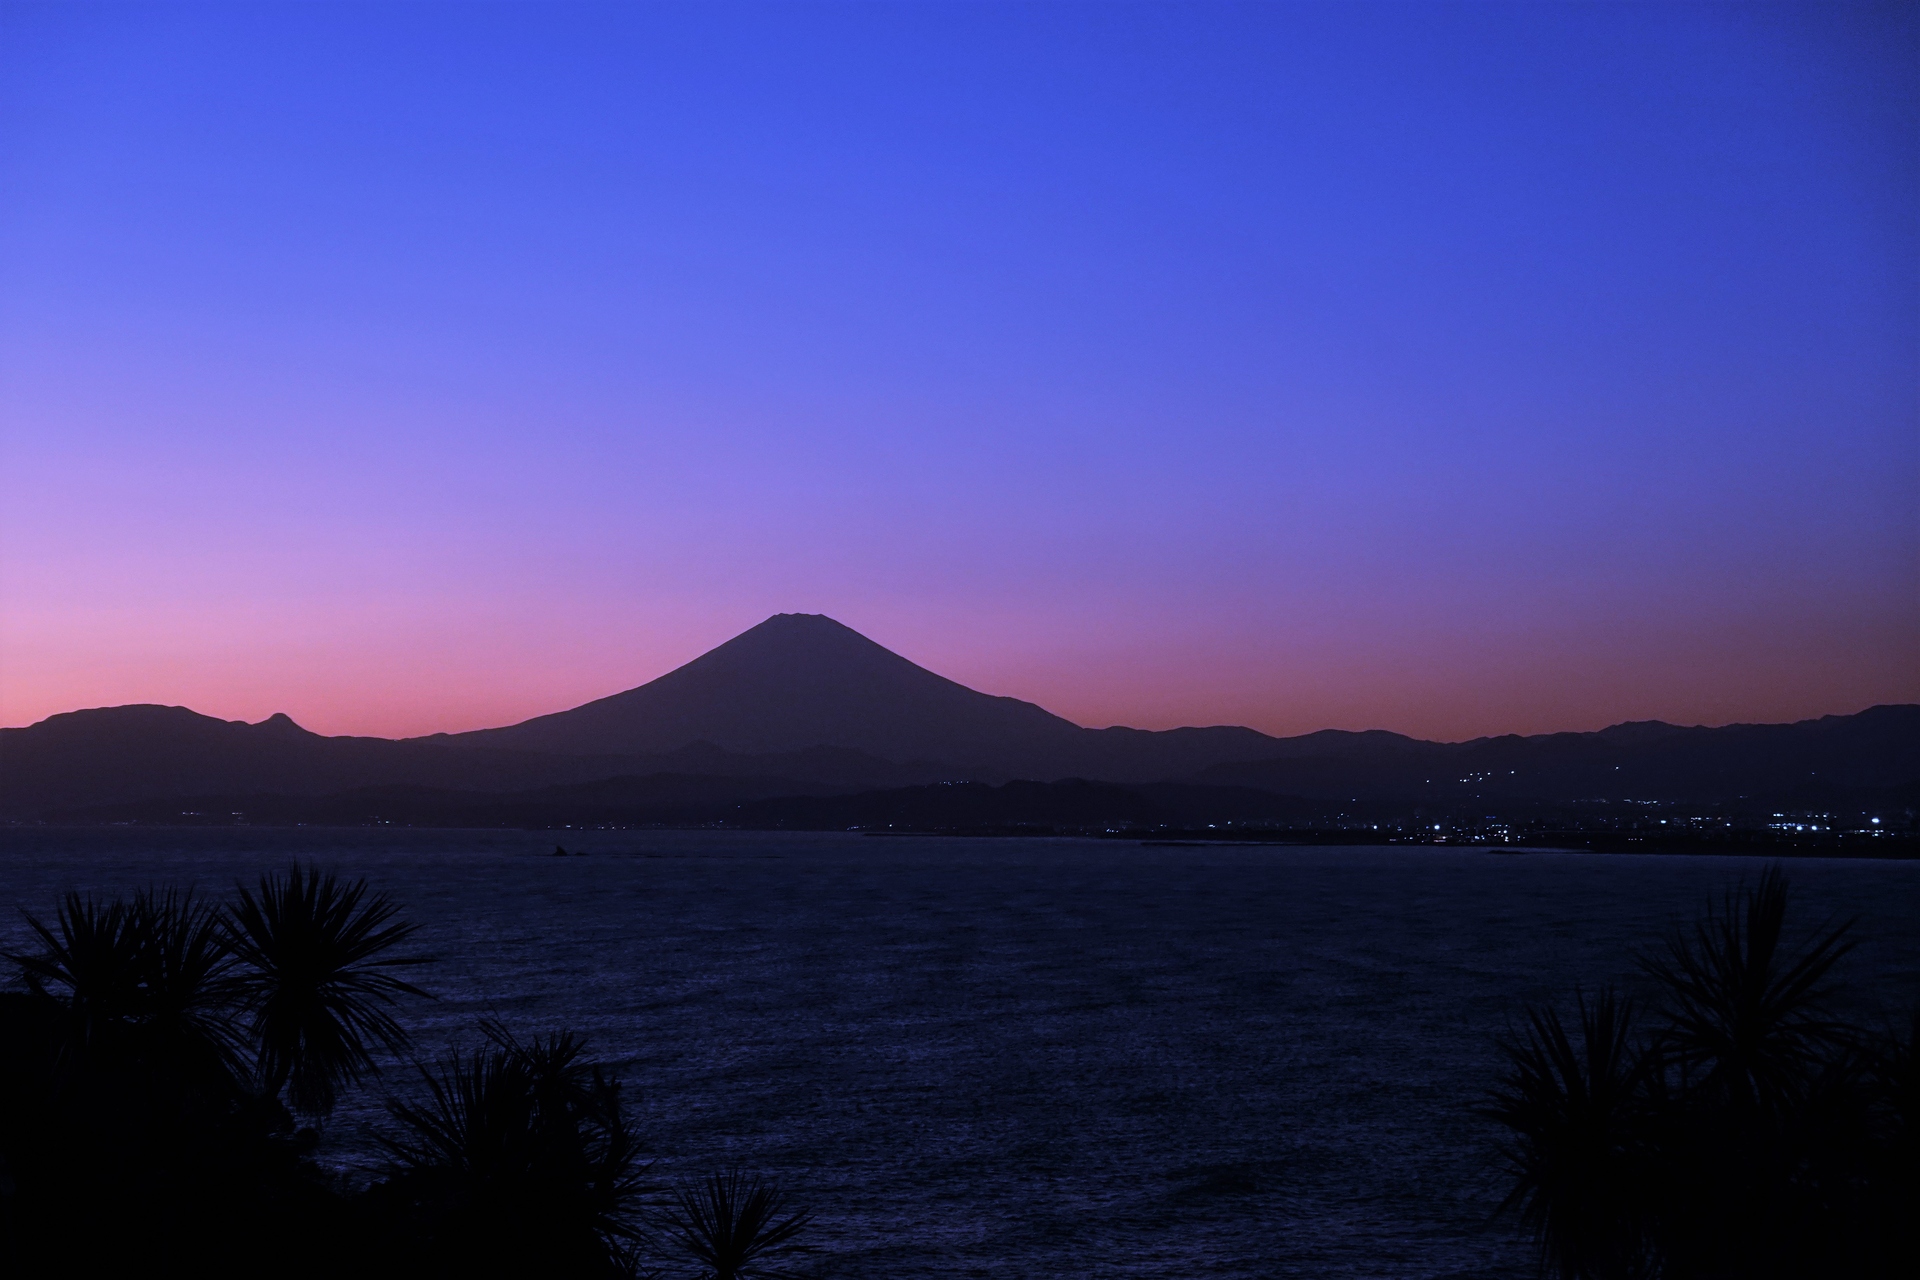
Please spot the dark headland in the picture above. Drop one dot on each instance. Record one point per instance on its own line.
(802, 723)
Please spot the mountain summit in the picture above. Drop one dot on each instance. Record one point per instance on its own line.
(801, 706)
(801, 680)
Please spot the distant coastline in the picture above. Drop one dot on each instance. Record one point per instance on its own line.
(802, 724)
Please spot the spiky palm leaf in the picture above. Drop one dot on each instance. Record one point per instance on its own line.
(317, 981)
(91, 962)
(477, 1121)
(1745, 1020)
(522, 1150)
(137, 1022)
(187, 968)
(576, 1107)
(1574, 1113)
(732, 1224)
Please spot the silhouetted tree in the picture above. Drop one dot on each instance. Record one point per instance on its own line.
(518, 1158)
(317, 982)
(1577, 1112)
(140, 1120)
(149, 1062)
(91, 966)
(734, 1226)
(1746, 1132)
(1755, 1066)
(188, 976)
(1745, 1024)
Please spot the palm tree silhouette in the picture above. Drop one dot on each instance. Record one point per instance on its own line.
(1577, 1153)
(733, 1224)
(1748, 1132)
(131, 1119)
(189, 1036)
(317, 982)
(142, 1077)
(519, 1157)
(1745, 1021)
(1755, 1074)
(90, 964)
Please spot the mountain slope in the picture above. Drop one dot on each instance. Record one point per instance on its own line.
(803, 680)
(807, 701)
(1808, 762)
(798, 680)
(113, 755)
(125, 753)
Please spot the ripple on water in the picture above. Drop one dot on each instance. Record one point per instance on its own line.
(1028, 1057)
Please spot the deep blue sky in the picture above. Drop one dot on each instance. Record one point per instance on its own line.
(1447, 369)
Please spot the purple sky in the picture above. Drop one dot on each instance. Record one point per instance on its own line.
(1448, 370)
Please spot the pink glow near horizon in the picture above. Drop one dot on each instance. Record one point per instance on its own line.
(1490, 370)
(408, 675)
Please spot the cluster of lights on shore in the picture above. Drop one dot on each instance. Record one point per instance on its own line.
(1814, 826)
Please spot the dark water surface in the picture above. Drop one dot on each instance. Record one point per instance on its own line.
(1029, 1058)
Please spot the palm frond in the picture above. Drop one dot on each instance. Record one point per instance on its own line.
(188, 1027)
(1745, 1017)
(317, 980)
(89, 959)
(733, 1224)
(530, 1136)
(474, 1121)
(1573, 1112)
(91, 966)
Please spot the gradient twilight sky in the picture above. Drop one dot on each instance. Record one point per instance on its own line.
(1447, 369)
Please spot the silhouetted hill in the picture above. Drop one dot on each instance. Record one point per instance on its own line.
(796, 680)
(113, 755)
(802, 680)
(806, 704)
(1830, 760)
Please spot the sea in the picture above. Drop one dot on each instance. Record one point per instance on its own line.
(1026, 1057)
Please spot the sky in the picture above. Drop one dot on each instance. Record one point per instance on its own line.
(1453, 370)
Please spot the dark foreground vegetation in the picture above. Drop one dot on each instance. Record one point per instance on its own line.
(1731, 1127)
(165, 1063)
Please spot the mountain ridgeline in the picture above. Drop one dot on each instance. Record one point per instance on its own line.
(799, 681)
(796, 720)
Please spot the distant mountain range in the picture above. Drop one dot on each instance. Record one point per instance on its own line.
(800, 713)
(800, 681)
